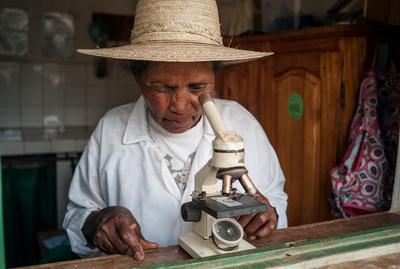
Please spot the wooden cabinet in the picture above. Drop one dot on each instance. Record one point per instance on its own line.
(305, 97)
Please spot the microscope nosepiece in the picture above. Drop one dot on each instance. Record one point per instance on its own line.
(227, 185)
(247, 184)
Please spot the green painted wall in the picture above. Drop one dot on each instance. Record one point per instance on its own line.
(2, 249)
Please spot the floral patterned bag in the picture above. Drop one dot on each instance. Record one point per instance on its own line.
(363, 182)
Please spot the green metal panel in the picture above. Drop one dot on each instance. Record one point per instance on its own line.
(2, 248)
(305, 253)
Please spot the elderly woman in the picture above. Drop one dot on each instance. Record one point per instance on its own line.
(139, 165)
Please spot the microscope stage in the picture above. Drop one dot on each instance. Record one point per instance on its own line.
(237, 207)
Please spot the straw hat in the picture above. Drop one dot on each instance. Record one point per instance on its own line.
(177, 31)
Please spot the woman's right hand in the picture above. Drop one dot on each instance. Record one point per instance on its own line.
(109, 230)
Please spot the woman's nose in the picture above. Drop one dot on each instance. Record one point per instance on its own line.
(179, 102)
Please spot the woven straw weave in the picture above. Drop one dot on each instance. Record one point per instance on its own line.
(177, 31)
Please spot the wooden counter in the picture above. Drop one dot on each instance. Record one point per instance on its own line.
(294, 241)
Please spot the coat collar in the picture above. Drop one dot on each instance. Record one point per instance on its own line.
(137, 126)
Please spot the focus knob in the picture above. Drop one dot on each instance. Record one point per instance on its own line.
(190, 212)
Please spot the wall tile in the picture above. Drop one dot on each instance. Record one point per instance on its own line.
(31, 95)
(92, 79)
(75, 116)
(10, 135)
(74, 74)
(32, 116)
(94, 114)
(54, 95)
(31, 74)
(36, 147)
(69, 93)
(10, 116)
(31, 134)
(9, 74)
(62, 145)
(8, 148)
(96, 95)
(118, 76)
(116, 96)
(75, 95)
(9, 95)
(52, 75)
(74, 133)
(56, 113)
(80, 144)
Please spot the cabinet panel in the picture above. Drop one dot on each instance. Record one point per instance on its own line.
(289, 60)
(242, 83)
(298, 141)
(245, 82)
(332, 136)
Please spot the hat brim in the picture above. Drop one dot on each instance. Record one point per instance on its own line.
(177, 52)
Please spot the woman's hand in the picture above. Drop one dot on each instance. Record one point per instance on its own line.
(259, 225)
(109, 230)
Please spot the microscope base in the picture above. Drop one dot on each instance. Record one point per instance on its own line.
(198, 247)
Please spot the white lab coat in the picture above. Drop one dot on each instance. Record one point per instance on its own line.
(122, 166)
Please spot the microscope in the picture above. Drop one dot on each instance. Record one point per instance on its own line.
(214, 231)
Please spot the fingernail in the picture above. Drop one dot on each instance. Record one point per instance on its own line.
(252, 238)
(138, 256)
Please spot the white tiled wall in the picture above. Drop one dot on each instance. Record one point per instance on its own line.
(35, 96)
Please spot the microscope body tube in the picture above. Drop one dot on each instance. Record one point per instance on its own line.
(212, 113)
(235, 159)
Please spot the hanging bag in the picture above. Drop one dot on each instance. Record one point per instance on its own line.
(363, 182)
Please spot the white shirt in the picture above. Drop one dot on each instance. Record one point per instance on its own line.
(121, 165)
(179, 145)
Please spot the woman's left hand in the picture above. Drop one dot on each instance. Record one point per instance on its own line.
(259, 225)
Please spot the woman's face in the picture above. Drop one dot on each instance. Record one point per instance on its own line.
(171, 92)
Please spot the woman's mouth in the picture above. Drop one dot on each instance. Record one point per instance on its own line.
(178, 124)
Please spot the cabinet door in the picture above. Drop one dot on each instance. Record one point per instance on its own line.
(307, 147)
(298, 130)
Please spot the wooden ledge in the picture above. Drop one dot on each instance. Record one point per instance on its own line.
(373, 223)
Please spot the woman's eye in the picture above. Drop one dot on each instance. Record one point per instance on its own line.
(159, 89)
(198, 88)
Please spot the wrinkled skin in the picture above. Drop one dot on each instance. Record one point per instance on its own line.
(171, 93)
(259, 225)
(109, 230)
